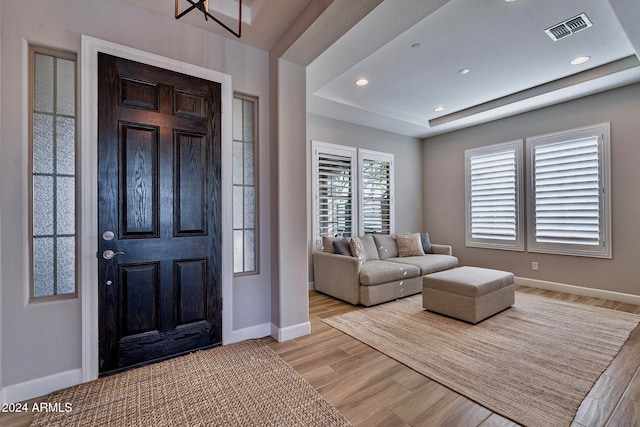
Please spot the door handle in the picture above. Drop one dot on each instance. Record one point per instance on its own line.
(109, 254)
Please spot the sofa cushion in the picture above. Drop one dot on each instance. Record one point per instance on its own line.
(369, 247)
(376, 272)
(327, 244)
(357, 250)
(409, 245)
(426, 243)
(341, 247)
(428, 263)
(386, 245)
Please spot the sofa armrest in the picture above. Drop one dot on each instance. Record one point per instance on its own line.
(442, 249)
(337, 275)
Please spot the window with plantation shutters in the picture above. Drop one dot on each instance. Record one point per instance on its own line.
(334, 181)
(493, 196)
(569, 209)
(376, 192)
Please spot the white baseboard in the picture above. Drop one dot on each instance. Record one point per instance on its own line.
(40, 386)
(257, 331)
(312, 286)
(579, 290)
(290, 332)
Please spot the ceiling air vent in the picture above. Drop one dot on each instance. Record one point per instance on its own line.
(568, 27)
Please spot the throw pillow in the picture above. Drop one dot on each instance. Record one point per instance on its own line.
(409, 245)
(426, 243)
(327, 243)
(386, 245)
(341, 247)
(357, 249)
(369, 247)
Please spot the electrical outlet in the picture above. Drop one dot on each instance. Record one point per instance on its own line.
(534, 266)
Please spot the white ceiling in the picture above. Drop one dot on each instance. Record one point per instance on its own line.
(264, 21)
(514, 66)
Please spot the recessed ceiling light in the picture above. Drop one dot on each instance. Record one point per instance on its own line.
(580, 60)
(362, 82)
(464, 71)
(438, 108)
(509, 1)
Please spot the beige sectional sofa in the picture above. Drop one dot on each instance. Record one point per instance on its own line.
(381, 268)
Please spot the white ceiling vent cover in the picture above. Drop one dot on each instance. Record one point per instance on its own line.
(568, 27)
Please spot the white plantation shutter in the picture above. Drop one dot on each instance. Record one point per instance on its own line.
(334, 185)
(570, 203)
(567, 184)
(376, 190)
(493, 196)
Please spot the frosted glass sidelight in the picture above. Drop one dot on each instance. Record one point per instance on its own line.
(238, 261)
(249, 168)
(65, 145)
(66, 218)
(244, 184)
(237, 163)
(249, 256)
(65, 87)
(43, 205)
(238, 208)
(248, 121)
(43, 90)
(249, 207)
(66, 268)
(42, 266)
(237, 120)
(42, 143)
(53, 195)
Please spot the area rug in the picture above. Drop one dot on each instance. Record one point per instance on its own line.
(243, 384)
(533, 363)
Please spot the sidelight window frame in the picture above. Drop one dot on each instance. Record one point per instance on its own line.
(55, 293)
(243, 246)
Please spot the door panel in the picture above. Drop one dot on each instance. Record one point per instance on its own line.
(190, 216)
(138, 169)
(159, 192)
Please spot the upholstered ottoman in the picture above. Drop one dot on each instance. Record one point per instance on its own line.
(468, 293)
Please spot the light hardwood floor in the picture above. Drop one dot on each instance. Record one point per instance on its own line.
(371, 389)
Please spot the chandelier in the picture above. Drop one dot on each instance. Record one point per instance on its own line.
(203, 6)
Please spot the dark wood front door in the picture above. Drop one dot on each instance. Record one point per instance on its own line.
(159, 213)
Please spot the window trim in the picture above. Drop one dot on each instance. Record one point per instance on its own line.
(256, 128)
(342, 150)
(604, 248)
(70, 56)
(518, 244)
(363, 155)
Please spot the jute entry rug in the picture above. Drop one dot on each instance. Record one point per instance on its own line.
(533, 363)
(243, 384)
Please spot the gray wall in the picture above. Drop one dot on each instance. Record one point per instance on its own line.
(407, 153)
(42, 339)
(292, 195)
(444, 204)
